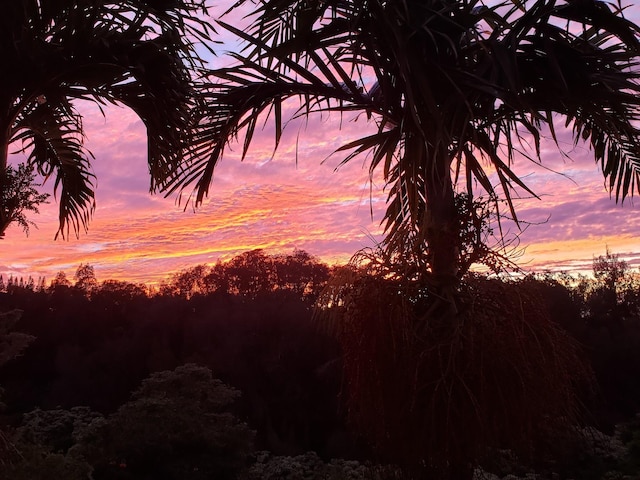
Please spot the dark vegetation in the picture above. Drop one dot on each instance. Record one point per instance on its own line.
(442, 370)
(262, 373)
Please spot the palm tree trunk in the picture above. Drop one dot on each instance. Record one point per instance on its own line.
(442, 229)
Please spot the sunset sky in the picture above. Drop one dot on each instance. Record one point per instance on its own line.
(274, 204)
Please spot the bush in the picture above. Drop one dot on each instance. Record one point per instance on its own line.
(36, 462)
(42, 446)
(310, 467)
(176, 426)
(436, 392)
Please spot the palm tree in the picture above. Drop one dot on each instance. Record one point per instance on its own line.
(438, 371)
(456, 89)
(136, 53)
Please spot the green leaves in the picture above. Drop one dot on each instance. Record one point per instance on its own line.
(18, 196)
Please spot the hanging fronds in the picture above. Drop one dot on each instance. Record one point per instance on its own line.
(438, 394)
(134, 53)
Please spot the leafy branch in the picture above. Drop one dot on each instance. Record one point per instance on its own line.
(18, 197)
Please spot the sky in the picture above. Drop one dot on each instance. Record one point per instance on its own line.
(277, 204)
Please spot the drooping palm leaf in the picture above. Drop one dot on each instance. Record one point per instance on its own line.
(138, 53)
(52, 135)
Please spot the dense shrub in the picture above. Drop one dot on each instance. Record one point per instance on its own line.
(35, 462)
(436, 392)
(43, 445)
(176, 426)
(310, 467)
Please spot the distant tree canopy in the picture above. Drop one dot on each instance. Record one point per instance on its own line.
(85, 278)
(95, 349)
(253, 273)
(120, 291)
(247, 275)
(60, 280)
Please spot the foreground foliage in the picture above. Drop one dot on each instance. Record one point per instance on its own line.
(437, 396)
(174, 427)
(94, 347)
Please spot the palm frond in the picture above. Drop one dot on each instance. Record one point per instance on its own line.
(140, 54)
(52, 134)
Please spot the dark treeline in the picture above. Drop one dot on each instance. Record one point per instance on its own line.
(251, 322)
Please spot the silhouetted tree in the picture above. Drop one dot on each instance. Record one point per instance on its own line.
(300, 273)
(119, 291)
(187, 283)
(609, 269)
(438, 400)
(455, 91)
(19, 196)
(217, 280)
(60, 280)
(85, 278)
(251, 273)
